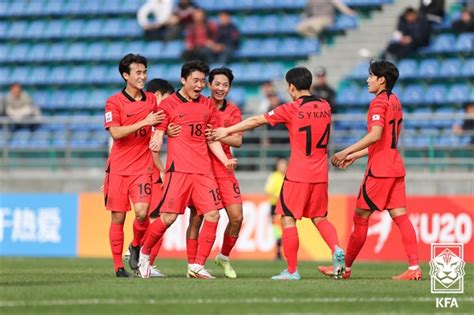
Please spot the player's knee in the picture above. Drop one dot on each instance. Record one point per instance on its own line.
(236, 220)
(212, 216)
(316, 220)
(118, 217)
(168, 218)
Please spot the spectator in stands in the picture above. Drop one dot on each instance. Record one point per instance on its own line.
(432, 10)
(465, 23)
(322, 89)
(181, 17)
(413, 32)
(19, 107)
(319, 14)
(160, 11)
(199, 40)
(466, 126)
(227, 38)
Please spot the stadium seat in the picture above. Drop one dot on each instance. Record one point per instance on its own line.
(115, 51)
(408, 69)
(288, 23)
(459, 93)
(39, 75)
(97, 74)
(173, 49)
(76, 51)
(38, 52)
(36, 29)
(91, 27)
(78, 74)
(54, 29)
(58, 74)
(20, 139)
(19, 52)
(96, 51)
(19, 74)
(40, 139)
(428, 68)
(465, 42)
(348, 95)
(57, 52)
(450, 68)
(269, 24)
(436, 94)
(440, 117)
(468, 68)
(74, 28)
(17, 29)
(444, 43)
(418, 118)
(412, 94)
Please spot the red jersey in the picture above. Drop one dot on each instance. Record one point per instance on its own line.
(188, 153)
(229, 115)
(130, 155)
(308, 121)
(384, 160)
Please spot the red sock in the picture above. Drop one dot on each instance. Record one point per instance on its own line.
(328, 233)
(228, 244)
(154, 252)
(157, 230)
(191, 250)
(116, 244)
(357, 240)
(206, 239)
(291, 243)
(408, 237)
(139, 230)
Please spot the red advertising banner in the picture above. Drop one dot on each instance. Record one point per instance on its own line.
(445, 219)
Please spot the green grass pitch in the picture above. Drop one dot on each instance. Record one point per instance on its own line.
(88, 286)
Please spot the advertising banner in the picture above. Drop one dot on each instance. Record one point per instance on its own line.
(38, 225)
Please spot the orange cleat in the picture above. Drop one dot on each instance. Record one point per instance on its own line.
(328, 271)
(409, 275)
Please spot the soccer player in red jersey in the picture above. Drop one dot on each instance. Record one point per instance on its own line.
(161, 89)
(305, 189)
(220, 81)
(383, 186)
(129, 117)
(189, 178)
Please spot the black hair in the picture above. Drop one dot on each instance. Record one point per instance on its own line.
(409, 10)
(300, 77)
(194, 65)
(222, 70)
(127, 60)
(386, 69)
(160, 85)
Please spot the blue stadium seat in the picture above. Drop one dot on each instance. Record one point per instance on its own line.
(115, 51)
(450, 68)
(19, 52)
(288, 23)
(41, 98)
(112, 27)
(465, 42)
(17, 29)
(38, 52)
(436, 94)
(273, 70)
(3, 27)
(418, 119)
(310, 46)
(237, 96)
(154, 49)
(53, 7)
(468, 68)
(4, 75)
(19, 74)
(97, 73)
(77, 51)
(269, 24)
(97, 98)
(39, 75)
(344, 22)
(459, 93)
(16, 8)
(348, 95)
(58, 74)
(444, 43)
(408, 68)
(112, 75)
(59, 99)
(136, 47)
(78, 74)
(364, 97)
(249, 24)
(96, 51)
(156, 71)
(54, 29)
(270, 48)
(79, 99)
(249, 47)
(428, 68)
(72, 7)
(20, 139)
(91, 27)
(412, 94)
(91, 7)
(40, 139)
(59, 139)
(36, 29)
(173, 49)
(80, 139)
(74, 28)
(57, 52)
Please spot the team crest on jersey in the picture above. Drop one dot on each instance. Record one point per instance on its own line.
(271, 113)
(108, 116)
(375, 117)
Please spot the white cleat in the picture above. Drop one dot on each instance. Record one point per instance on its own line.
(199, 272)
(144, 266)
(156, 273)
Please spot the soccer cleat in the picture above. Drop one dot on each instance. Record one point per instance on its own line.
(134, 256)
(122, 273)
(126, 257)
(338, 263)
(200, 273)
(156, 273)
(285, 275)
(229, 272)
(328, 271)
(409, 275)
(144, 266)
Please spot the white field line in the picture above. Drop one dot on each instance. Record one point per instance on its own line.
(274, 300)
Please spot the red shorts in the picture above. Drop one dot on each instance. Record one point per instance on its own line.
(230, 190)
(156, 193)
(182, 189)
(120, 189)
(380, 193)
(308, 200)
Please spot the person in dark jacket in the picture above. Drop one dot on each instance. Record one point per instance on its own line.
(227, 38)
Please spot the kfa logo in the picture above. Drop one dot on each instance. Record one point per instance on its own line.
(447, 268)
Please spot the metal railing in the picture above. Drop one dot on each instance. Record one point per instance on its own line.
(422, 148)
